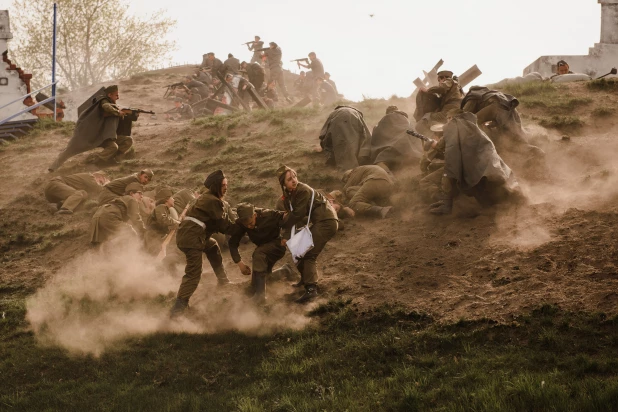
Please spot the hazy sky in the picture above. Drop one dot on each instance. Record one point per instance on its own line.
(381, 56)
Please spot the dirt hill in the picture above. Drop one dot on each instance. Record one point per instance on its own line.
(478, 263)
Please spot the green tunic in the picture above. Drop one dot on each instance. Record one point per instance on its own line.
(158, 225)
(116, 188)
(110, 218)
(71, 190)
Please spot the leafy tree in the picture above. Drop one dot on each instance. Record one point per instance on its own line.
(97, 40)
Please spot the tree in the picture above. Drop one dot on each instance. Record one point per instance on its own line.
(97, 40)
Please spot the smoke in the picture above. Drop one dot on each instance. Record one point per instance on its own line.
(579, 173)
(105, 296)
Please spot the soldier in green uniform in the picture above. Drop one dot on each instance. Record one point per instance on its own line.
(160, 222)
(433, 104)
(367, 187)
(433, 182)
(264, 229)
(68, 192)
(111, 218)
(194, 237)
(117, 187)
(297, 202)
(121, 143)
(182, 198)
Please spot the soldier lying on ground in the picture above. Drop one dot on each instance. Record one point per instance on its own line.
(368, 189)
(181, 111)
(110, 219)
(160, 222)
(68, 192)
(472, 166)
(562, 67)
(497, 115)
(263, 226)
(194, 238)
(117, 187)
(433, 104)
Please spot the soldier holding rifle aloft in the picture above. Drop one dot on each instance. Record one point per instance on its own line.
(255, 47)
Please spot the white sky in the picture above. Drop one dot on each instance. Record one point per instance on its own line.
(381, 56)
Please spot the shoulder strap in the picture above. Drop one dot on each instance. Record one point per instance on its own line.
(310, 206)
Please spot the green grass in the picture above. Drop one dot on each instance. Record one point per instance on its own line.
(603, 111)
(555, 104)
(531, 89)
(210, 142)
(610, 84)
(564, 123)
(385, 359)
(45, 125)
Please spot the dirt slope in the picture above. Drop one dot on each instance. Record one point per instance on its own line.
(492, 263)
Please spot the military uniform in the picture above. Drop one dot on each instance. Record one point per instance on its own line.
(121, 143)
(255, 48)
(255, 72)
(181, 199)
(158, 226)
(232, 64)
(324, 226)
(116, 188)
(266, 236)
(111, 218)
(274, 56)
(433, 105)
(432, 165)
(193, 238)
(367, 186)
(70, 191)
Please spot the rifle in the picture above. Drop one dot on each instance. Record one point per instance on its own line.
(247, 43)
(301, 60)
(168, 238)
(140, 111)
(419, 136)
(612, 71)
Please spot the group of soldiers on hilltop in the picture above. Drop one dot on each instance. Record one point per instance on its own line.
(263, 74)
(455, 138)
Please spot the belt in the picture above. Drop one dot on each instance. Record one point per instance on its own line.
(197, 222)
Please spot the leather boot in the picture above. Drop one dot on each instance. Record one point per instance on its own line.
(180, 305)
(222, 279)
(311, 292)
(443, 207)
(260, 288)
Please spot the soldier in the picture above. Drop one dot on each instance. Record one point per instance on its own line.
(328, 80)
(111, 218)
(271, 98)
(263, 226)
(255, 72)
(496, 113)
(317, 72)
(299, 84)
(117, 187)
(328, 95)
(213, 65)
(232, 64)
(433, 104)
(562, 67)
(182, 199)
(196, 87)
(68, 192)
(297, 203)
(194, 238)
(255, 48)
(160, 222)
(181, 111)
(96, 127)
(274, 55)
(432, 166)
(368, 187)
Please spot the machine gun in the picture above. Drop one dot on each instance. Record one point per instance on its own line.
(173, 86)
(300, 60)
(612, 71)
(140, 111)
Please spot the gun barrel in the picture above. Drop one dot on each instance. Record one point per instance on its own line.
(417, 135)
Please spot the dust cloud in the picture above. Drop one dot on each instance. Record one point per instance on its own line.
(118, 292)
(575, 173)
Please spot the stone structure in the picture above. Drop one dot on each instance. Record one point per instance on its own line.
(14, 83)
(600, 59)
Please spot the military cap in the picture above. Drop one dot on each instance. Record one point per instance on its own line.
(326, 74)
(147, 172)
(215, 178)
(437, 128)
(111, 89)
(272, 43)
(258, 37)
(391, 109)
(210, 54)
(562, 63)
(133, 187)
(163, 194)
(445, 73)
(245, 211)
